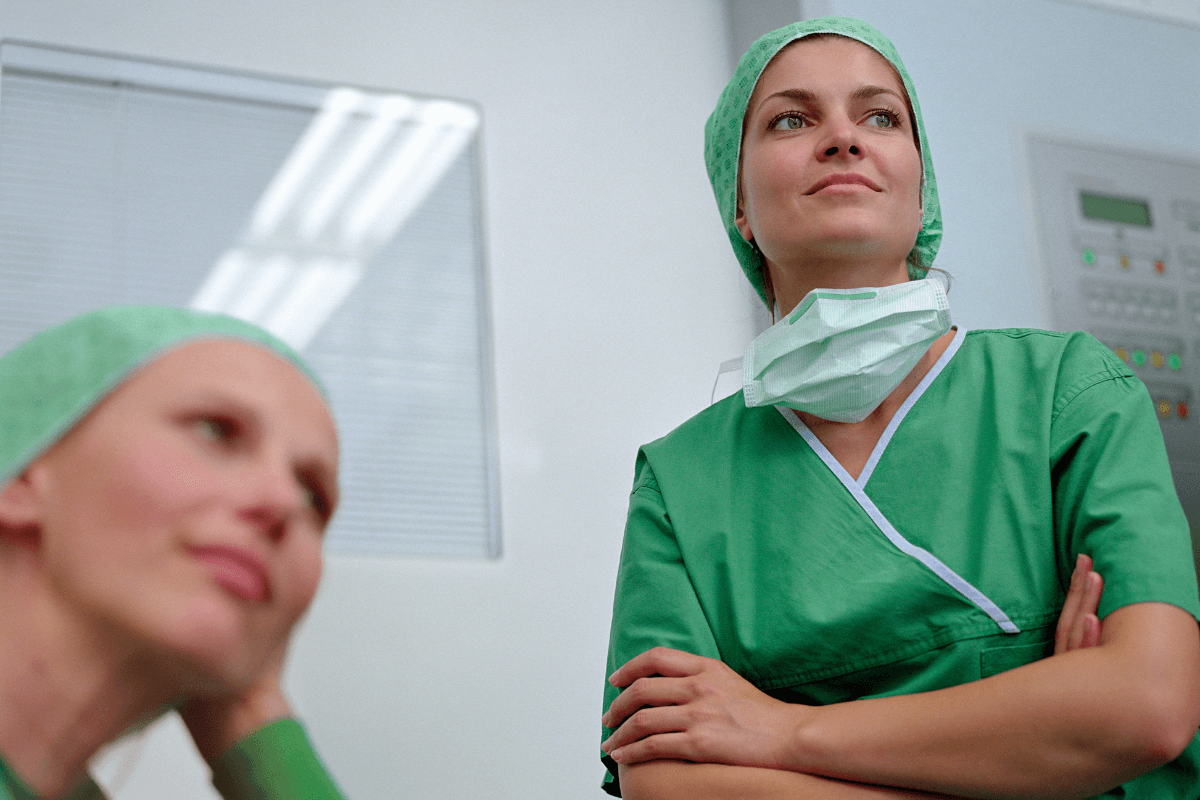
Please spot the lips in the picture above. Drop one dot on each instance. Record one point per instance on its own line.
(237, 571)
(843, 179)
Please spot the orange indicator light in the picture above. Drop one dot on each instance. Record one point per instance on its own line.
(1156, 359)
(1124, 261)
(1122, 354)
(1164, 408)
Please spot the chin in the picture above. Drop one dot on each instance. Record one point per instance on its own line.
(212, 648)
(857, 242)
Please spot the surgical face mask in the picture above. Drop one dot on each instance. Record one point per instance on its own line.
(841, 352)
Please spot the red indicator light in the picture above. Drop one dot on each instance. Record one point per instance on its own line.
(1159, 266)
(1181, 409)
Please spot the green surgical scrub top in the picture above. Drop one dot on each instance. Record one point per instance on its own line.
(276, 762)
(946, 561)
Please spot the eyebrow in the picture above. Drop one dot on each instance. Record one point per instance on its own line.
(864, 92)
(218, 399)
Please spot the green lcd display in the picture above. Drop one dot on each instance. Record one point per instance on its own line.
(1115, 209)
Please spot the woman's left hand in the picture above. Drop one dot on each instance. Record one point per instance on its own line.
(676, 705)
(1078, 625)
(217, 722)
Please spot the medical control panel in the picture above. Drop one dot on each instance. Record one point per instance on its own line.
(1119, 233)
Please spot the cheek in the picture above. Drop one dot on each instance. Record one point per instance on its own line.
(114, 496)
(152, 479)
(765, 192)
(912, 172)
(906, 174)
(771, 170)
(305, 564)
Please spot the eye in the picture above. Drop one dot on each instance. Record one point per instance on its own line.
(883, 119)
(790, 121)
(316, 496)
(217, 428)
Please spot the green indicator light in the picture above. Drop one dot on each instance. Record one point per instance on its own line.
(1174, 361)
(1139, 358)
(1089, 257)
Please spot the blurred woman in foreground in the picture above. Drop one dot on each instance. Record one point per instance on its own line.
(165, 480)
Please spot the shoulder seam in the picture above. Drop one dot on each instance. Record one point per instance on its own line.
(1081, 385)
(646, 480)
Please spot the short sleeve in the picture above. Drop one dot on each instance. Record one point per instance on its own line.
(655, 603)
(276, 762)
(1114, 497)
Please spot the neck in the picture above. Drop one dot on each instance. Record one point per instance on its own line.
(67, 686)
(792, 281)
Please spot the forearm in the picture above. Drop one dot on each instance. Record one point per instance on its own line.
(1069, 726)
(682, 780)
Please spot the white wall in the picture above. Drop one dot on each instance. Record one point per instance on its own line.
(614, 297)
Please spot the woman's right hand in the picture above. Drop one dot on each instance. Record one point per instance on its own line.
(217, 722)
(1078, 624)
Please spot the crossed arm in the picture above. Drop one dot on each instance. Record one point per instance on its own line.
(1073, 725)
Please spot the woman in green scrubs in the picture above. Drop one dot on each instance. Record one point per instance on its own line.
(165, 480)
(845, 581)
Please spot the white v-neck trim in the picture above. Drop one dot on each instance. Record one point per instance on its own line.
(912, 398)
(858, 492)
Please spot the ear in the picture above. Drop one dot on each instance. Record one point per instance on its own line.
(742, 223)
(20, 510)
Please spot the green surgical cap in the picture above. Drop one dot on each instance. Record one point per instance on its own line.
(50, 381)
(723, 135)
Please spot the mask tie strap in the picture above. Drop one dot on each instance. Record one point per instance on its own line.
(732, 365)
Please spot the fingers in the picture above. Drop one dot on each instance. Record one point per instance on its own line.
(1092, 591)
(1070, 611)
(648, 722)
(643, 693)
(1078, 624)
(675, 746)
(659, 661)
(1091, 633)
(1085, 629)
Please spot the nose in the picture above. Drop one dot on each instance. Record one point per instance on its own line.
(273, 497)
(841, 139)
